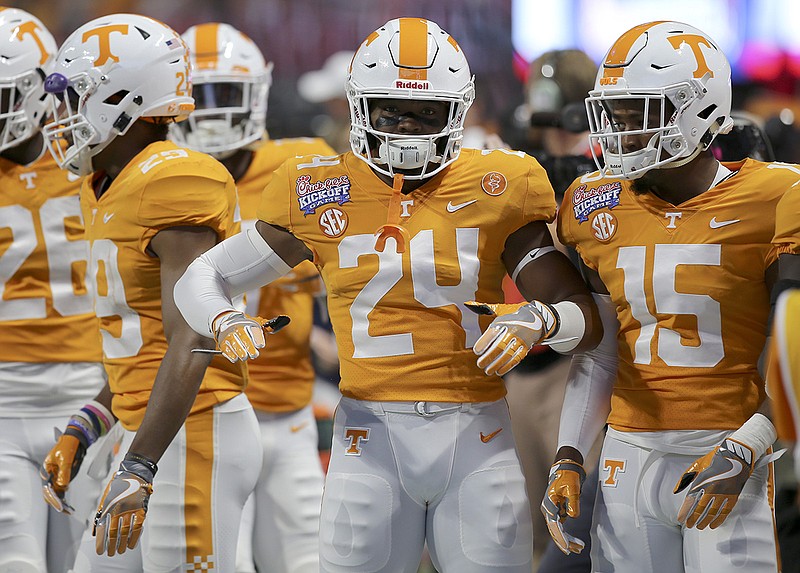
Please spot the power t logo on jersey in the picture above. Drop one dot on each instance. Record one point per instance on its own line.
(312, 195)
(587, 201)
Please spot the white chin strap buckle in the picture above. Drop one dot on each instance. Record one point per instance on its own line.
(408, 153)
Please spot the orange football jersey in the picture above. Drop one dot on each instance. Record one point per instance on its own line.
(787, 222)
(163, 186)
(46, 312)
(783, 374)
(401, 328)
(282, 377)
(688, 285)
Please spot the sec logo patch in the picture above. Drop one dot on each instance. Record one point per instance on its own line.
(333, 222)
(494, 183)
(604, 226)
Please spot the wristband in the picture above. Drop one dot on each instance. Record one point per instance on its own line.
(91, 422)
(570, 328)
(140, 465)
(757, 433)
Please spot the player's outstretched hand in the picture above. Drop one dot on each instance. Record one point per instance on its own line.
(517, 328)
(239, 336)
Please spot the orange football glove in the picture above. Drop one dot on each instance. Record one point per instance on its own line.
(517, 328)
(64, 459)
(59, 468)
(562, 500)
(716, 481)
(123, 507)
(240, 336)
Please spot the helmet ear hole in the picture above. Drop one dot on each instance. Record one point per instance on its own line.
(706, 113)
(116, 98)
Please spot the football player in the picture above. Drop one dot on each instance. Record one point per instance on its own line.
(230, 87)
(50, 356)
(677, 246)
(190, 454)
(406, 228)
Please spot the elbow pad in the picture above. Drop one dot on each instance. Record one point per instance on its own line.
(238, 264)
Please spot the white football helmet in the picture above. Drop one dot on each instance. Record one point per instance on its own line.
(109, 73)
(408, 58)
(26, 57)
(678, 81)
(231, 85)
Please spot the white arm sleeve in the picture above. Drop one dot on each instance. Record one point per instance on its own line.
(587, 400)
(238, 264)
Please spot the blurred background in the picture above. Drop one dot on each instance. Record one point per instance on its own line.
(499, 37)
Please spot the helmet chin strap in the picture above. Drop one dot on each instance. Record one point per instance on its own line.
(81, 165)
(408, 153)
(683, 161)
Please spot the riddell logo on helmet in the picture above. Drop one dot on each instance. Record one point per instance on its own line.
(412, 85)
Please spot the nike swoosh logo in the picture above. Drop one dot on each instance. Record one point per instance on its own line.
(107, 217)
(295, 429)
(714, 224)
(453, 208)
(537, 323)
(133, 487)
(736, 469)
(488, 437)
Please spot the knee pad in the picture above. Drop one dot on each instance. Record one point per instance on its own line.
(495, 516)
(354, 532)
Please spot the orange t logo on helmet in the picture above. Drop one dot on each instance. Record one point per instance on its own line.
(694, 42)
(103, 34)
(30, 28)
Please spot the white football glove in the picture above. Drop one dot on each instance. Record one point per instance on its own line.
(517, 329)
(240, 336)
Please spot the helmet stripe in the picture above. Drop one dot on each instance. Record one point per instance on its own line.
(205, 43)
(619, 54)
(413, 49)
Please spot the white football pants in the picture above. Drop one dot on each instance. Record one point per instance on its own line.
(280, 525)
(403, 473)
(635, 527)
(203, 481)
